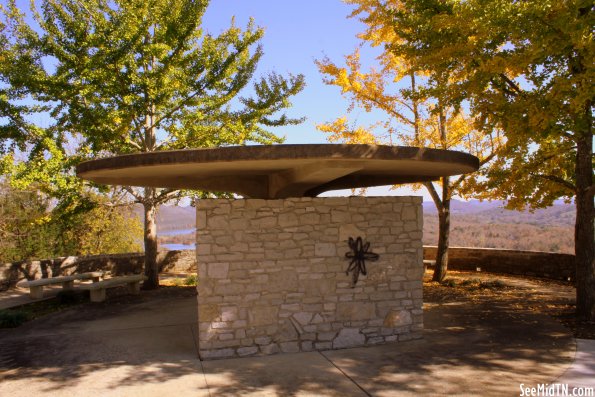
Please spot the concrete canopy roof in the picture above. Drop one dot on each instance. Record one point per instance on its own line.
(279, 171)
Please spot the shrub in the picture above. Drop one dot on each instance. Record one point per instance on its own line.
(12, 318)
(176, 282)
(190, 280)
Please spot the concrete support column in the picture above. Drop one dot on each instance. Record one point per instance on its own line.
(272, 274)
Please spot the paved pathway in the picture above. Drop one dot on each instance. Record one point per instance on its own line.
(146, 346)
(582, 371)
(20, 296)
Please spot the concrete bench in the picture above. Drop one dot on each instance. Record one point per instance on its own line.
(36, 286)
(97, 290)
(429, 263)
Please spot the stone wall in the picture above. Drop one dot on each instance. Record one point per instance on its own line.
(272, 274)
(527, 263)
(116, 264)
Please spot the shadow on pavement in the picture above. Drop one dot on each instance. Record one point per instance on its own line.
(147, 346)
(467, 349)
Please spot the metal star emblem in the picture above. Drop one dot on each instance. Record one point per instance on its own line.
(358, 255)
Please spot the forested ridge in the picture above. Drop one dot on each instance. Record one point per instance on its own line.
(474, 224)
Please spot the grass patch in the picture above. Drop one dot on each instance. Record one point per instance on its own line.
(493, 284)
(176, 282)
(191, 280)
(188, 281)
(449, 282)
(470, 282)
(475, 284)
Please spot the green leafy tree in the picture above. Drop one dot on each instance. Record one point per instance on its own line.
(32, 227)
(110, 227)
(141, 76)
(525, 67)
(25, 232)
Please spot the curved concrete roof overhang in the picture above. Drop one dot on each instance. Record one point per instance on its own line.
(279, 171)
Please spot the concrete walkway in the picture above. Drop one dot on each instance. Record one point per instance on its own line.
(20, 296)
(582, 371)
(146, 346)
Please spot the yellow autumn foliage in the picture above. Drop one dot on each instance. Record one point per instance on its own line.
(407, 115)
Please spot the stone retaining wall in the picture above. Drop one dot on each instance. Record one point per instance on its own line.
(272, 274)
(527, 263)
(116, 264)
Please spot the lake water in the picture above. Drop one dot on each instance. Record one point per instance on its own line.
(179, 247)
(175, 232)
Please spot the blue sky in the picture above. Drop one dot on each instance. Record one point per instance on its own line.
(296, 34)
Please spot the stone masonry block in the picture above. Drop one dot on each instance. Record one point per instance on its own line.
(262, 315)
(353, 311)
(325, 249)
(201, 219)
(409, 213)
(397, 318)
(349, 337)
(218, 270)
(217, 222)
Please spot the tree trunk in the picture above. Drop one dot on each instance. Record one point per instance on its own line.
(443, 234)
(584, 239)
(414, 102)
(151, 270)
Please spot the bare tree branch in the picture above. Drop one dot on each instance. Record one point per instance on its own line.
(136, 196)
(432, 190)
(560, 181)
(134, 144)
(517, 90)
(166, 194)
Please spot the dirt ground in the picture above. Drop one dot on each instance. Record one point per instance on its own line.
(550, 297)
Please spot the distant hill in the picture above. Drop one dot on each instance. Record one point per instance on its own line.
(560, 214)
(466, 207)
(171, 217)
(473, 224)
(489, 225)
